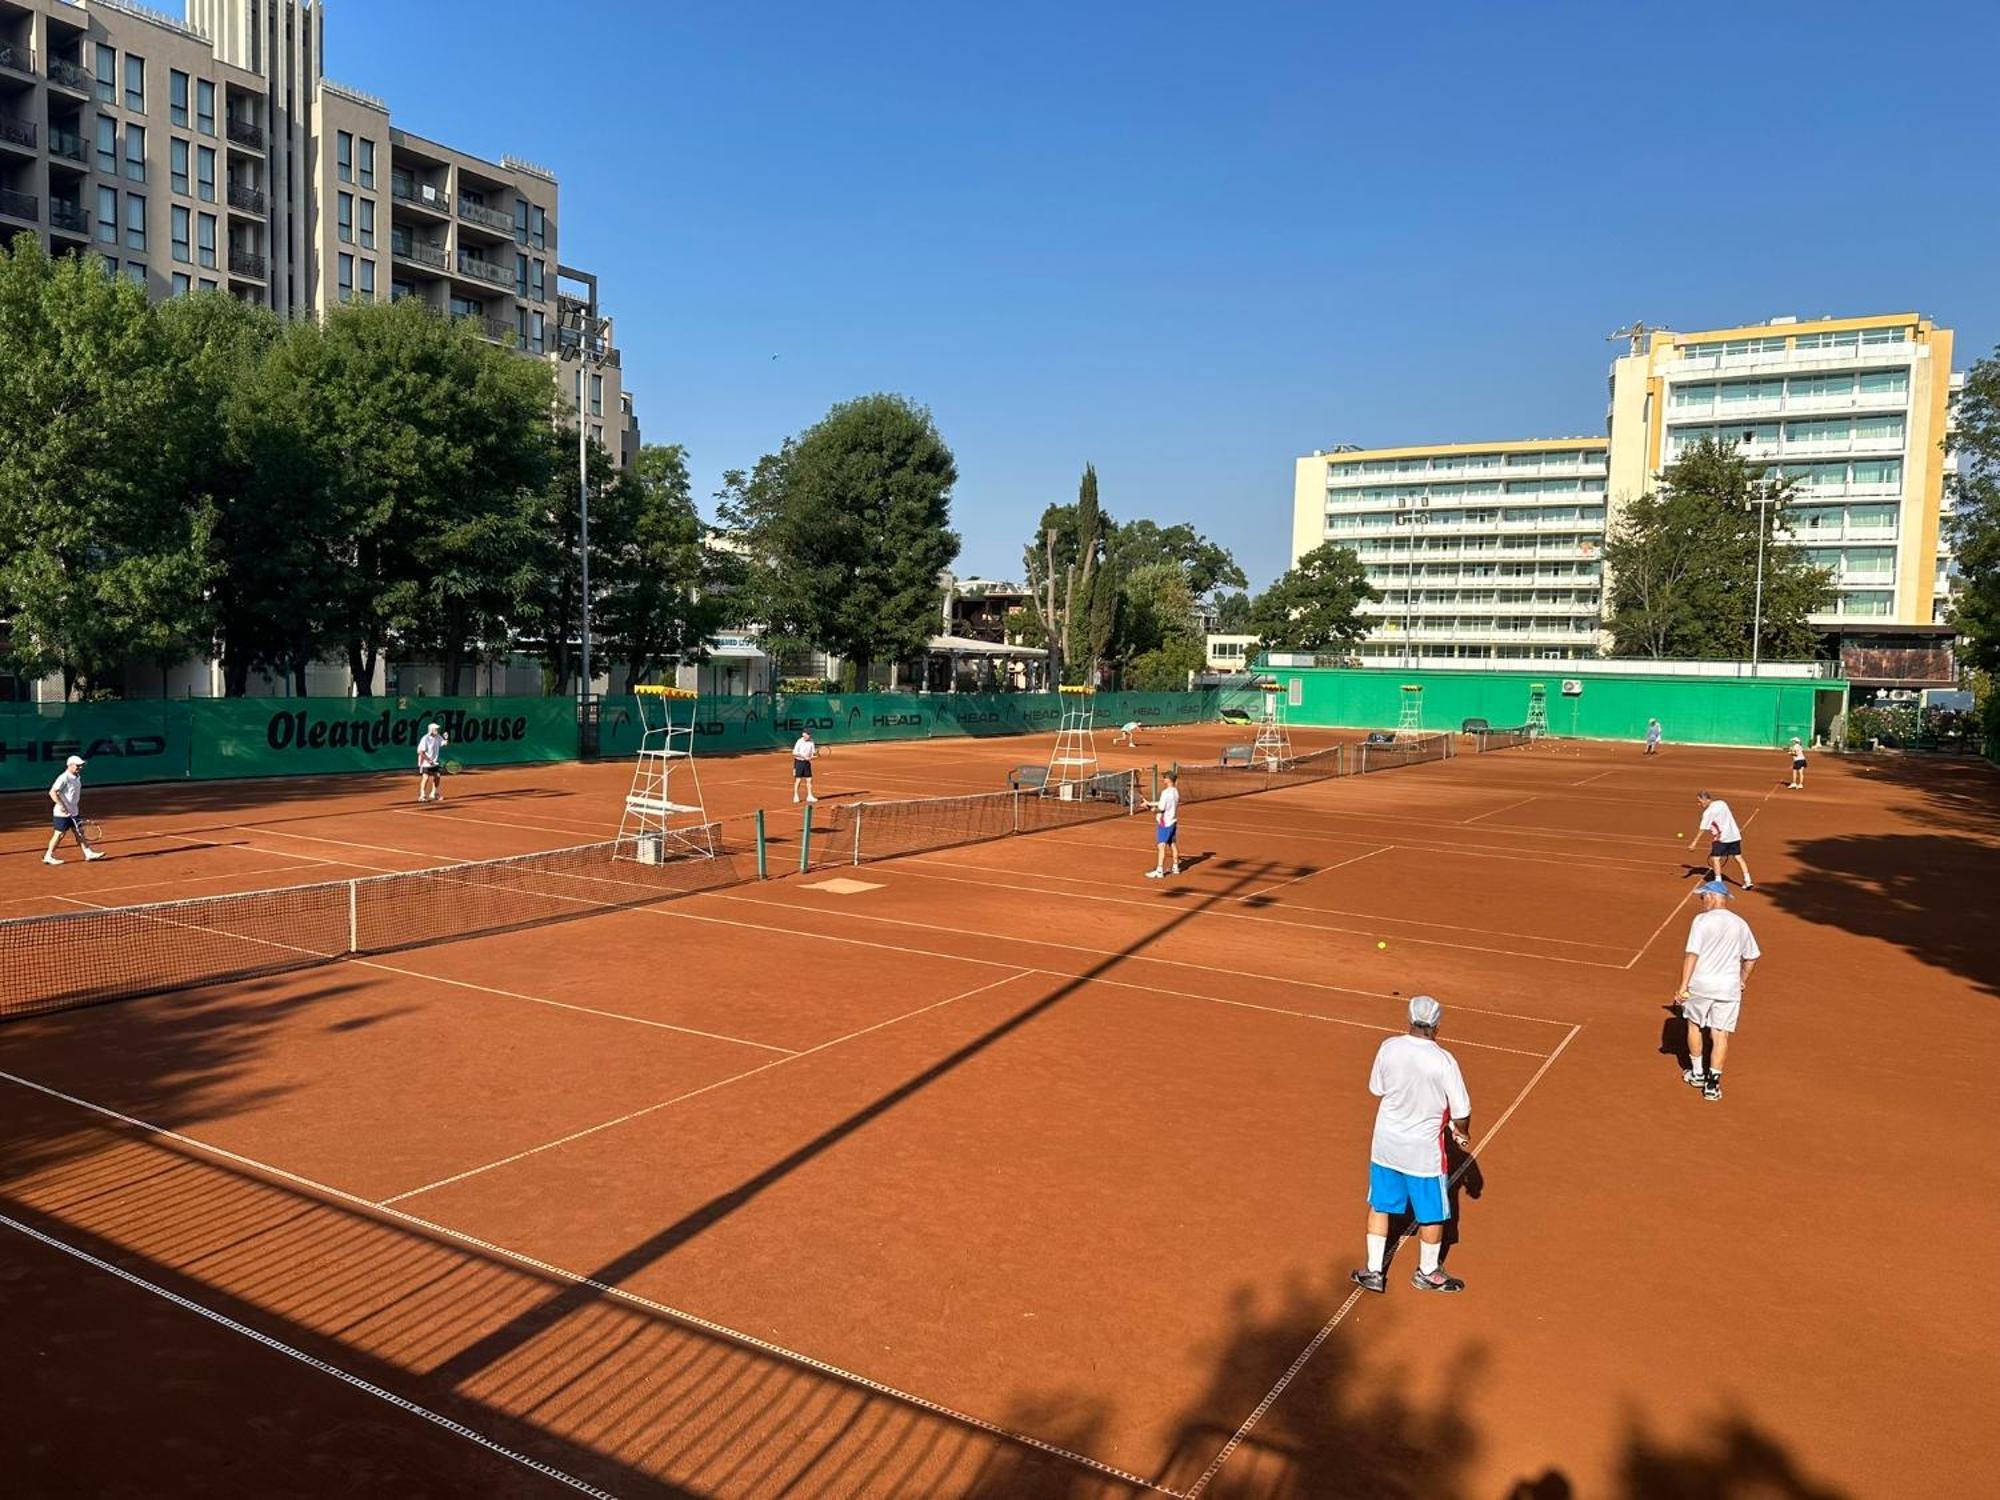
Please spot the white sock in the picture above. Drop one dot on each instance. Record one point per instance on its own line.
(1378, 1251)
(1427, 1256)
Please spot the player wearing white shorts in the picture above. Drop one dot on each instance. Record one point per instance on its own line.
(1423, 1102)
(1725, 837)
(1721, 952)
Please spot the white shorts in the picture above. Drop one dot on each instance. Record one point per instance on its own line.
(1716, 1015)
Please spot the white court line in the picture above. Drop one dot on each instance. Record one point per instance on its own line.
(1420, 846)
(171, 882)
(313, 838)
(907, 867)
(1337, 865)
(367, 1388)
(1284, 1380)
(1498, 810)
(625, 1119)
(1039, 942)
(609, 1015)
(1679, 906)
(604, 1289)
(1598, 777)
(442, 812)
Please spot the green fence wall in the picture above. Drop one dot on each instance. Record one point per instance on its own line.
(207, 738)
(1691, 710)
(768, 721)
(211, 738)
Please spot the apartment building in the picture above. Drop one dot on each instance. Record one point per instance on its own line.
(210, 153)
(1481, 550)
(1854, 411)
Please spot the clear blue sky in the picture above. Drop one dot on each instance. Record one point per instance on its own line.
(1190, 242)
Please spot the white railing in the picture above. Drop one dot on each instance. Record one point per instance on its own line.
(1866, 354)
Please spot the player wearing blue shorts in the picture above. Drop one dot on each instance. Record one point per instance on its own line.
(1423, 1103)
(1167, 830)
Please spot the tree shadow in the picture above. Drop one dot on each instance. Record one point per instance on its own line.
(1726, 1458)
(1957, 792)
(1921, 892)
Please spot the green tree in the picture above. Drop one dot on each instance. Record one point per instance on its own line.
(419, 438)
(1206, 565)
(1683, 565)
(1160, 630)
(549, 606)
(104, 557)
(846, 531)
(1974, 527)
(1315, 604)
(1232, 613)
(671, 590)
(1072, 587)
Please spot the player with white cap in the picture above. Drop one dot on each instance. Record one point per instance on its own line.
(1423, 1101)
(66, 792)
(430, 775)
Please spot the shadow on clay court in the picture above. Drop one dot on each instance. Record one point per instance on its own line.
(1921, 892)
(1959, 792)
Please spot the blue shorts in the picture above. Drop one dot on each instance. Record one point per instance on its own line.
(1392, 1192)
(1166, 833)
(66, 824)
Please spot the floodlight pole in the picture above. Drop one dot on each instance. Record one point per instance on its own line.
(1763, 497)
(583, 336)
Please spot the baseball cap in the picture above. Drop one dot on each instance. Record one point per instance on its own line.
(1425, 1011)
(434, 726)
(75, 760)
(1715, 888)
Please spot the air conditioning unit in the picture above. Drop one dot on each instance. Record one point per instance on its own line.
(1572, 688)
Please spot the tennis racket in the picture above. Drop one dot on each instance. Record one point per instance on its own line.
(93, 831)
(451, 767)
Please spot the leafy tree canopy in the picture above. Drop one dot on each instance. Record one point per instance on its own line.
(1314, 606)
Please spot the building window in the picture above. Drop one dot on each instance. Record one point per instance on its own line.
(107, 215)
(467, 307)
(346, 278)
(107, 145)
(208, 285)
(177, 97)
(535, 333)
(343, 156)
(183, 284)
(205, 238)
(110, 264)
(521, 276)
(520, 221)
(136, 273)
(135, 221)
(367, 223)
(597, 395)
(398, 290)
(204, 106)
(182, 234)
(538, 233)
(178, 165)
(344, 220)
(367, 279)
(135, 152)
(107, 74)
(135, 83)
(204, 173)
(537, 281)
(365, 171)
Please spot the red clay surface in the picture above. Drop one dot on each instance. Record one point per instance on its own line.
(1014, 1173)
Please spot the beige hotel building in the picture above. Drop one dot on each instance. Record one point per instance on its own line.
(209, 153)
(1493, 550)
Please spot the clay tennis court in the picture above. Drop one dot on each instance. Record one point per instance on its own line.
(999, 1170)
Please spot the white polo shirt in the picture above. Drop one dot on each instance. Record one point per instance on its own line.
(1720, 823)
(68, 790)
(1170, 806)
(429, 748)
(1422, 1092)
(805, 749)
(1720, 941)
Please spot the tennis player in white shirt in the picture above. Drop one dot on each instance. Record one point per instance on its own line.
(430, 773)
(1167, 829)
(1423, 1102)
(1721, 952)
(1726, 838)
(66, 795)
(804, 753)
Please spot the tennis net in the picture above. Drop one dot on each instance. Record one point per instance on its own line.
(1484, 740)
(1208, 783)
(1406, 750)
(73, 959)
(852, 833)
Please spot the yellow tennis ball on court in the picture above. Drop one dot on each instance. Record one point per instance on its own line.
(1680, 835)
(1381, 945)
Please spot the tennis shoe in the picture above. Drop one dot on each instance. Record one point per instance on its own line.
(1436, 1281)
(50, 859)
(1711, 1088)
(1175, 870)
(93, 854)
(1694, 1078)
(1369, 1281)
(1156, 875)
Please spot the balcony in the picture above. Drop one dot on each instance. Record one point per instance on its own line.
(68, 218)
(420, 195)
(16, 58)
(15, 205)
(1774, 359)
(479, 213)
(68, 75)
(67, 146)
(484, 270)
(246, 263)
(423, 254)
(499, 330)
(246, 133)
(17, 133)
(247, 200)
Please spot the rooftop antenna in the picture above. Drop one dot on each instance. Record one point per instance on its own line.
(1634, 335)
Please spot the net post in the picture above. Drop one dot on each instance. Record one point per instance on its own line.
(1156, 781)
(806, 839)
(763, 867)
(858, 808)
(1016, 810)
(353, 916)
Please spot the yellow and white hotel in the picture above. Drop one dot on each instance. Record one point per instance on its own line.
(1493, 550)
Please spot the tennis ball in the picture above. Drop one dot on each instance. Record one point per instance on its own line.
(1381, 945)
(1680, 835)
